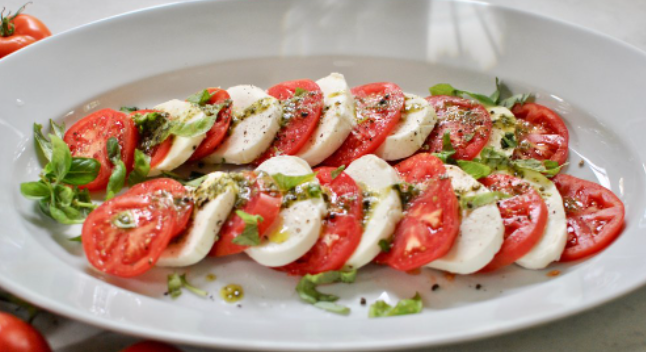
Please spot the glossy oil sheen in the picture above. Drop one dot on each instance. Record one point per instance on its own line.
(413, 43)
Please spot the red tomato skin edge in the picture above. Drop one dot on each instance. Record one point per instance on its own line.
(18, 336)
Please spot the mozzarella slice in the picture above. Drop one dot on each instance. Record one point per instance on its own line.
(182, 147)
(417, 121)
(214, 199)
(376, 176)
(299, 225)
(481, 229)
(256, 120)
(552, 243)
(336, 122)
(503, 122)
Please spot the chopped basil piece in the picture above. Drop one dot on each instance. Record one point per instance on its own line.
(176, 282)
(287, 183)
(407, 191)
(300, 91)
(381, 309)
(250, 235)
(118, 177)
(335, 173)
(333, 307)
(513, 100)
(128, 109)
(482, 199)
(548, 167)
(125, 220)
(508, 140)
(141, 168)
(76, 239)
(474, 169)
(447, 89)
(44, 145)
(200, 98)
(495, 96)
(384, 245)
(494, 159)
(447, 148)
(200, 126)
(307, 291)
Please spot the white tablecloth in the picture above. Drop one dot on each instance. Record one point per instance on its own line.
(617, 326)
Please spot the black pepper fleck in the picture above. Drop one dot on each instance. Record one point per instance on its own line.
(435, 287)
(362, 301)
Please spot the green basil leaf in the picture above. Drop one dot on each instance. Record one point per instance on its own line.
(443, 89)
(513, 100)
(552, 168)
(196, 182)
(384, 245)
(61, 215)
(494, 159)
(44, 145)
(141, 168)
(114, 150)
(300, 91)
(194, 128)
(76, 239)
(192, 288)
(335, 173)
(174, 285)
(117, 180)
(529, 164)
(482, 199)
(495, 96)
(64, 195)
(306, 287)
(35, 190)
(250, 235)
(82, 171)
(475, 169)
(128, 109)
(61, 157)
(447, 148)
(404, 307)
(485, 100)
(333, 307)
(59, 130)
(200, 98)
(508, 140)
(287, 183)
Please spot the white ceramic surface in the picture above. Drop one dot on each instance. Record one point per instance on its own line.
(145, 57)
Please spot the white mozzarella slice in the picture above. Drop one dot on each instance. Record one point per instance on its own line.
(375, 175)
(481, 229)
(503, 122)
(214, 199)
(256, 119)
(417, 121)
(299, 225)
(182, 147)
(552, 243)
(336, 121)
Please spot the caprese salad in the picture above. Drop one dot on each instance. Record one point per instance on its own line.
(335, 178)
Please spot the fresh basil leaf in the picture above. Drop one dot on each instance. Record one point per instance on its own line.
(61, 157)
(141, 168)
(495, 96)
(494, 159)
(62, 215)
(447, 148)
(76, 239)
(404, 307)
(35, 190)
(485, 100)
(287, 183)
(64, 195)
(174, 285)
(335, 173)
(82, 171)
(114, 150)
(306, 287)
(313, 190)
(250, 235)
(196, 182)
(482, 199)
(475, 169)
(333, 307)
(552, 168)
(118, 177)
(384, 245)
(200, 98)
(508, 140)
(74, 215)
(515, 99)
(192, 288)
(43, 143)
(194, 128)
(59, 130)
(548, 167)
(128, 109)
(300, 91)
(443, 89)
(407, 191)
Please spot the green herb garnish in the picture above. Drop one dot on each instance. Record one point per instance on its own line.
(287, 183)
(335, 173)
(176, 282)
(250, 235)
(307, 291)
(381, 309)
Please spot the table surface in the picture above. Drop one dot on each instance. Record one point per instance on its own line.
(617, 326)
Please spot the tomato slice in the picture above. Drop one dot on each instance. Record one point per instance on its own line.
(176, 193)
(89, 138)
(542, 134)
(524, 216)
(128, 252)
(301, 115)
(378, 109)
(341, 233)
(469, 124)
(261, 202)
(158, 152)
(595, 216)
(431, 224)
(216, 134)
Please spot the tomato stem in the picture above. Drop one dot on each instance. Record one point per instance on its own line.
(7, 27)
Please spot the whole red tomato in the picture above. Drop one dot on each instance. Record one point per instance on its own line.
(19, 30)
(150, 346)
(18, 336)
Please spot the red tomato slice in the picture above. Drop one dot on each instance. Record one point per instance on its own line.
(341, 231)
(542, 134)
(89, 138)
(219, 130)
(302, 115)
(176, 194)
(378, 109)
(431, 223)
(595, 216)
(128, 252)
(524, 216)
(469, 124)
(158, 152)
(261, 202)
